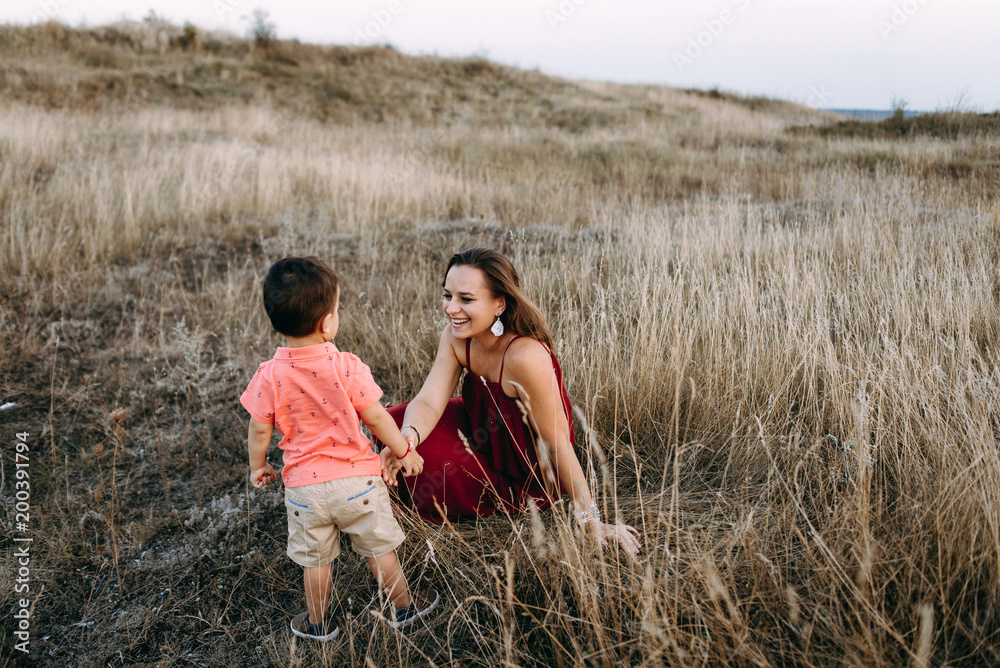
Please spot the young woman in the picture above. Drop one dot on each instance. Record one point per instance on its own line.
(481, 452)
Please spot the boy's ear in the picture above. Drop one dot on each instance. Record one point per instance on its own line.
(326, 324)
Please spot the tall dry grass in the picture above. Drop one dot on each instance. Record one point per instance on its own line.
(782, 348)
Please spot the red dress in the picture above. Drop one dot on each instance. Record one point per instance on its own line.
(497, 471)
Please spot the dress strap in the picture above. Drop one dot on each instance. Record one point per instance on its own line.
(468, 360)
(504, 358)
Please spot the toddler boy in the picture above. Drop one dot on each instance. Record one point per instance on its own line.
(314, 394)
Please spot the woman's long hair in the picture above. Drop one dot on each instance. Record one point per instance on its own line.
(520, 315)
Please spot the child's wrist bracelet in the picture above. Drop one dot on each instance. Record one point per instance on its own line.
(410, 426)
(409, 449)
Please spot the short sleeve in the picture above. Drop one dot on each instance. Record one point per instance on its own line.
(361, 387)
(258, 398)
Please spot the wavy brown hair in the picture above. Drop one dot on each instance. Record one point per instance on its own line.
(520, 315)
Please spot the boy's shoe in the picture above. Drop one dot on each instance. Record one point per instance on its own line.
(414, 611)
(302, 628)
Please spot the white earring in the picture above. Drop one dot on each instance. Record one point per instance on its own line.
(497, 327)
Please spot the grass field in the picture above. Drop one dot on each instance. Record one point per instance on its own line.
(780, 334)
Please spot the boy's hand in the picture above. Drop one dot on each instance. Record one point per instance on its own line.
(389, 466)
(262, 476)
(412, 464)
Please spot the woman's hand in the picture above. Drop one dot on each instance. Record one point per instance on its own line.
(623, 535)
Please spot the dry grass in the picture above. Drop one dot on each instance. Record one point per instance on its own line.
(785, 345)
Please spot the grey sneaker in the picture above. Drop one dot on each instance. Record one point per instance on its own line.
(303, 629)
(414, 611)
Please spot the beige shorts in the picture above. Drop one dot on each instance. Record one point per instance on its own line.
(359, 506)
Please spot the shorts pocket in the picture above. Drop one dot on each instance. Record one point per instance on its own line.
(359, 506)
(300, 513)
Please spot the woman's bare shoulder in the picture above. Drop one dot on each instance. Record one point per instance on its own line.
(448, 344)
(526, 357)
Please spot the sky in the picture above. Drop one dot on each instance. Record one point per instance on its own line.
(844, 54)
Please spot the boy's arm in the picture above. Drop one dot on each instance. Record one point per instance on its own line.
(384, 428)
(258, 440)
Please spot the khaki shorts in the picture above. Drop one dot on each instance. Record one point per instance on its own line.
(359, 506)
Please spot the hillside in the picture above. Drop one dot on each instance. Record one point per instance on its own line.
(151, 63)
(778, 330)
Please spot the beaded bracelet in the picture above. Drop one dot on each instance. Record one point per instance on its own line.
(414, 431)
(588, 515)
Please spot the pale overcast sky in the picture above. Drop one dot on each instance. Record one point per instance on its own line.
(825, 53)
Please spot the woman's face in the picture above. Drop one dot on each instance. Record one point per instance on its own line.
(470, 306)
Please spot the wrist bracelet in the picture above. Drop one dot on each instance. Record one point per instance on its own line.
(590, 514)
(410, 426)
(409, 449)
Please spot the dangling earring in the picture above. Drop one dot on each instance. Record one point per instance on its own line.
(497, 327)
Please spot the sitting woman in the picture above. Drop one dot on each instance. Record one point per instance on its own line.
(482, 452)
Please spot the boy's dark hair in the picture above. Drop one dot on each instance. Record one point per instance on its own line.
(298, 292)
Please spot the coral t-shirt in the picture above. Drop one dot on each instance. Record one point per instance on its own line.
(313, 395)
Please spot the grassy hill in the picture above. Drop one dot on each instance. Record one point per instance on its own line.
(152, 63)
(778, 327)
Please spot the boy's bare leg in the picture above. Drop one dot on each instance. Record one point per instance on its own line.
(389, 574)
(318, 581)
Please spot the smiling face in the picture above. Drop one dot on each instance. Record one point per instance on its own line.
(470, 306)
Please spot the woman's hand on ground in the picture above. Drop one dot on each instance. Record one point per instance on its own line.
(622, 535)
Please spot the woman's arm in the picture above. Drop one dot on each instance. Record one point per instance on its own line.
(424, 411)
(532, 375)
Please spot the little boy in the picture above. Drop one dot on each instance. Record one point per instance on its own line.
(313, 394)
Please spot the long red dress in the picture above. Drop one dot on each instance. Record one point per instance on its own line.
(497, 471)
